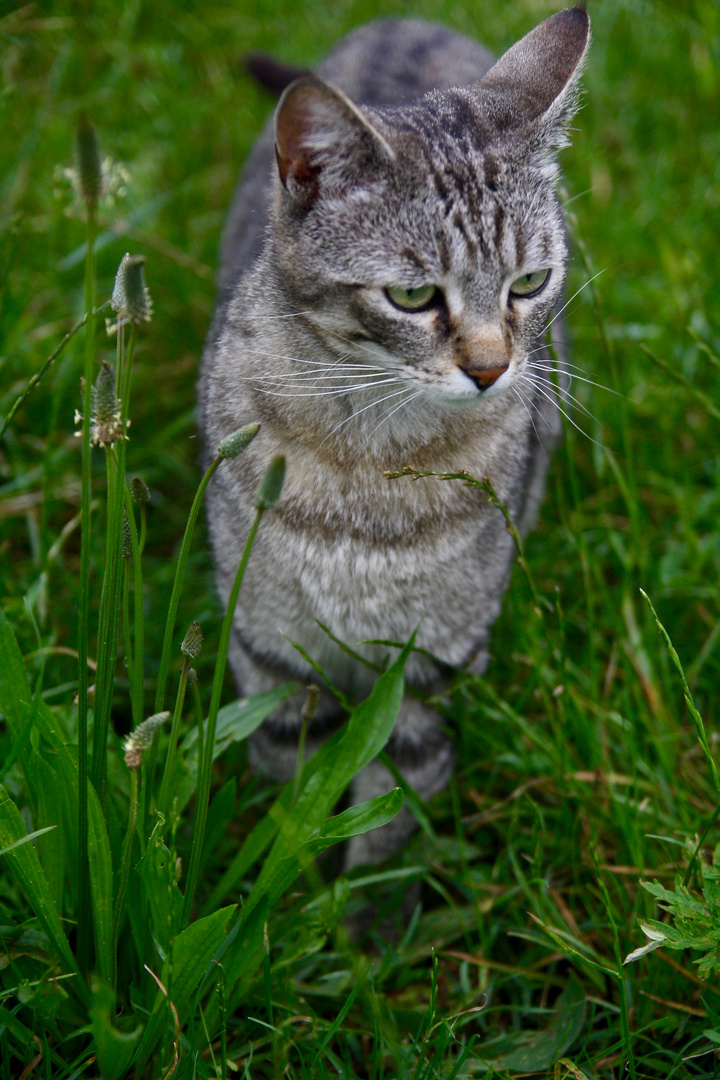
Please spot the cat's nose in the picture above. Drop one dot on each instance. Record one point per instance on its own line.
(485, 377)
(483, 354)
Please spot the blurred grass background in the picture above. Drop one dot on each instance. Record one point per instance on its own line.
(577, 754)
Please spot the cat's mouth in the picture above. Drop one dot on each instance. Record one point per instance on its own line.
(484, 378)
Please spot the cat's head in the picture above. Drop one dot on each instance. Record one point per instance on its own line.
(429, 236)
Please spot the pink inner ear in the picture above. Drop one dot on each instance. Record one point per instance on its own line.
(292, 126)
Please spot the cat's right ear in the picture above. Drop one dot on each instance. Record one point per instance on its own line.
(538, 76)
(324, 143)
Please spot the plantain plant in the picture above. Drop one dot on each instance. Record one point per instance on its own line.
(105, 907)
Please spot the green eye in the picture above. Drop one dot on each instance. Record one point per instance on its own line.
(529, 284)
(411, 299)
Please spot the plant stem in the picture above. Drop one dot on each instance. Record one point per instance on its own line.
(138, 680)
(624, 1017)
(125, 867)
(492, 497)
(172, 748)
(84, 933)
(177, 585)
(689, 701)
(127, 637)
(149, 768)
(108, 626)
(40, 375)
(112, 583)
(205, 770)
(306, 716)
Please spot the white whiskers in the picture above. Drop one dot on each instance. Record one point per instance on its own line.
(355, 413)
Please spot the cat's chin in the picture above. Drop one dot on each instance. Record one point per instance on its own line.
(465, 399)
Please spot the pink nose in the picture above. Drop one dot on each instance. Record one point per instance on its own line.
(485, 377)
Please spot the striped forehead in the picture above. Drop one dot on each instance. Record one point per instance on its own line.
(482, 226)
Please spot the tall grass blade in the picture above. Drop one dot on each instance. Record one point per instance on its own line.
(696, 717)
(84, 928)
(205, 770)
(101, 888)
(25, 867)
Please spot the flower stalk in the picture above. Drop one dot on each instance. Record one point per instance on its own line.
(84, 142)
(267, 496)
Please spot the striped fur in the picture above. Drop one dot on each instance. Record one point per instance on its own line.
(409, 159)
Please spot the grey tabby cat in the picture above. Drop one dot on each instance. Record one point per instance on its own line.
(392, 263)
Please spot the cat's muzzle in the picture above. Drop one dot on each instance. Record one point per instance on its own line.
(485, 377)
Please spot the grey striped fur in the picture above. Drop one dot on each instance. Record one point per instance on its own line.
(409, 159)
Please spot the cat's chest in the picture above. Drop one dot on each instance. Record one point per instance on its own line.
(377, 560)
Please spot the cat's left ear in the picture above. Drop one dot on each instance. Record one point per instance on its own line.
(324, 143)
(538, 76)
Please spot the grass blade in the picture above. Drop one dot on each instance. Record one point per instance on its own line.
(25, 867)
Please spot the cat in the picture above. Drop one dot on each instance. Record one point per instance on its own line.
(392, 261)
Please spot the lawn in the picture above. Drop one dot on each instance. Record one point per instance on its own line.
(585, 754)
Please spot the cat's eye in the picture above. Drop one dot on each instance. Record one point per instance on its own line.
(530, 284)
(411, 299)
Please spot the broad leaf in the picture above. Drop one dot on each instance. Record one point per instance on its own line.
(157, 870)
(114, 1048)
(191, 954)
(25, 867)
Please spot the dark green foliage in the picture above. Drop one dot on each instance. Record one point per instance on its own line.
(581, 772)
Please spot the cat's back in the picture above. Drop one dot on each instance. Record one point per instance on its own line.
(395, 61)
(384, 63)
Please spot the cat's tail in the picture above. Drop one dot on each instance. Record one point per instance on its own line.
(273, 74)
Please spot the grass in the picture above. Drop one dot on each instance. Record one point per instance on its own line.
(583, 768)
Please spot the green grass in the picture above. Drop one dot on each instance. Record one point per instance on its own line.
(582, 768)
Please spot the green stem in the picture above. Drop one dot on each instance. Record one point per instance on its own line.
(163, 802)
(624, 1011)
(689, 701)
(200, 725)
(205, 771)
(40, 375)
(127, 637)
(163, 669)
(112, 584)
(84, 933)
(125, 868)
(492, 497)
(673, 373)
(143, 527)
(138, 680)
(108, 624)
(177, 585)
(306, 716)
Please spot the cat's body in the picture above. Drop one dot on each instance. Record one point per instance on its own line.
(330, 335)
